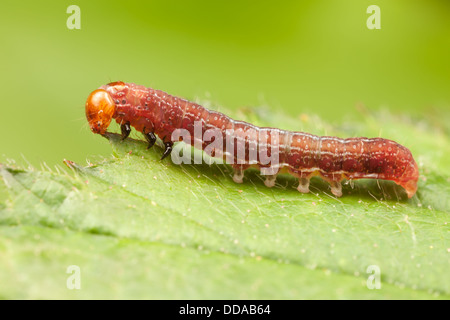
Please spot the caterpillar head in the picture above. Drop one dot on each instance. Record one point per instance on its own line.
(100, 109)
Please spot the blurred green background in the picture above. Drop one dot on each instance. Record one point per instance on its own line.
(299, 56)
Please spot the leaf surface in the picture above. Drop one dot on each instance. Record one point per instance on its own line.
(139, 227)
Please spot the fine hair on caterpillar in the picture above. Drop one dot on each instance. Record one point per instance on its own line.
(243, 145)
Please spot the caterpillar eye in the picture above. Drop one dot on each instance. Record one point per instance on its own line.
(100, 109)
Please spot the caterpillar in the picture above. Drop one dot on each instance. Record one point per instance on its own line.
(154, 112)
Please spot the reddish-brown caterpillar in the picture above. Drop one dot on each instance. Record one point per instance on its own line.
(300, 154)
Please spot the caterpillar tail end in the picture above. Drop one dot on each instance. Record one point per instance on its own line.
(410, 187)
(410, 179)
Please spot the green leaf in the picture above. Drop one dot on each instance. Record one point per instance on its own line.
(139, 227)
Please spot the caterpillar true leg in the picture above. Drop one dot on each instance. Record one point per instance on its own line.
(167, 149)
(150, 137)
(126, 129)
